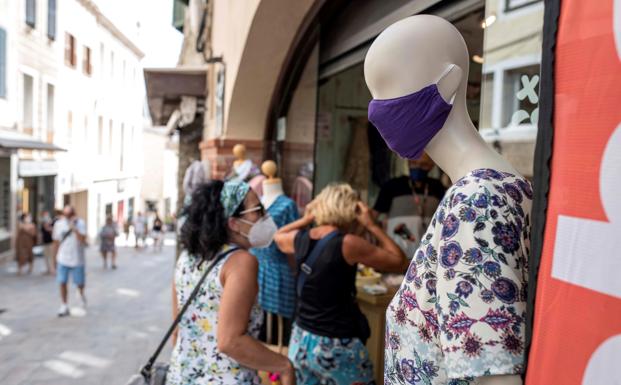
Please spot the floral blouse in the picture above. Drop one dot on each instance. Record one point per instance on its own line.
(195, 359)
(460, 311)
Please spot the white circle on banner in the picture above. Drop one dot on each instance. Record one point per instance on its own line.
(603, 367)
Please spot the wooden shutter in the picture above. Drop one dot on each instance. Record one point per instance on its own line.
(51, 19)
(31, 12)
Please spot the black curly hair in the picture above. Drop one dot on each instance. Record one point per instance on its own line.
(204, 231)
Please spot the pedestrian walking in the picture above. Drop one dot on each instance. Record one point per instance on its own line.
(26, 239)
(69, 242)
(157, 233)
(216, 340)
(107, 236)
(46, 228)
(140, 230)
(327, 344)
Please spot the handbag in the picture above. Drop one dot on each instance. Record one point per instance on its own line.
(154, 373)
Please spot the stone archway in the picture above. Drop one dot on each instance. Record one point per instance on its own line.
(272, 31)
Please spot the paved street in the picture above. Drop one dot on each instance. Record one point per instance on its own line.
(128, 313)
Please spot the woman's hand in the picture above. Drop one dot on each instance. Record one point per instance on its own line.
(364, 215)
(309, 216)
(287, 377)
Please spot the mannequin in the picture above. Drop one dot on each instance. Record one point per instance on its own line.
(421, 48)
(276, 281)
(243, 169)
(272, 186)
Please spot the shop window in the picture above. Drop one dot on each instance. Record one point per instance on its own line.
(86, 62)
(70, 51)
(512, 5)
(51, 19)
(31, 13)
(520, 99)
(2, 63)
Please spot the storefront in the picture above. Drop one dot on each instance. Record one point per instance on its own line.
(36, 186)
(319, 117)
(321, 124)
(26, 185)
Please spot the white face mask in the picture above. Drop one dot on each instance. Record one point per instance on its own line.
(261, 232)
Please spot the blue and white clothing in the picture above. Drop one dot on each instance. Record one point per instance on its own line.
(276, 280)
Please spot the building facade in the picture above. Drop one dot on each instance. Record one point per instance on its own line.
(159, 181)
(287, 80)
(100, 115)
(29, 74)
(71, 114)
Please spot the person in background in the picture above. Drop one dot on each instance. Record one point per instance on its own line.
(328, 340)
(107, 235)
(46, 227)
(158, 233)
(140, 230)
(26, 239)
(69, 236)
(407, 204)
(216, 340)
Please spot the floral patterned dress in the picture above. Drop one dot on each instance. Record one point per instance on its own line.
(460, 311)
(195, 359)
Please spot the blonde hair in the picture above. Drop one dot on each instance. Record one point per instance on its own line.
(336, 205)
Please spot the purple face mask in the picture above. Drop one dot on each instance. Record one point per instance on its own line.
(408, 123)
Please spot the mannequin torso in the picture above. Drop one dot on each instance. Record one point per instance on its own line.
(272, 186)
(420, 49)
(272, 189)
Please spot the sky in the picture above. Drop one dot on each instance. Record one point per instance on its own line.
(148, 23)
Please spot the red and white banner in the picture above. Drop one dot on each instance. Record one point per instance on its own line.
(577, 326)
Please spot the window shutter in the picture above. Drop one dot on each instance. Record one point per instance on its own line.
(31, 12)
(2, 63)
(51, 19)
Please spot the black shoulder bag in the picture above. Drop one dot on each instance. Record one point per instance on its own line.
(154, 373)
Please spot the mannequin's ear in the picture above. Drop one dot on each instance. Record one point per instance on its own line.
(449, 84)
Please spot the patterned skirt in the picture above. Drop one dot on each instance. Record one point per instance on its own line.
(331, 361)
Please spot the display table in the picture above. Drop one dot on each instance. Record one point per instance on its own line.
(374, 308)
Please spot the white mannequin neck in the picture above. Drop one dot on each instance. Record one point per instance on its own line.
(421, 48)
(272, 189)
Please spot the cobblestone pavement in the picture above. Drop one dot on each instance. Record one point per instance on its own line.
(127, 315)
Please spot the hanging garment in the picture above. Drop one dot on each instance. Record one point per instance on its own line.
(276, 280)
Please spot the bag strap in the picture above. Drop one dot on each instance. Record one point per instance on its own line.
(306, 267)
(146, 370)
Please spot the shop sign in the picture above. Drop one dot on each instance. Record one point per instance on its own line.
(31, 168)
(577, 326)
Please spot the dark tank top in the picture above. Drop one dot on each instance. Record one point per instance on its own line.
(327, 305)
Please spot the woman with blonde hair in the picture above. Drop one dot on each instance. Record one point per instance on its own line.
(327, 342)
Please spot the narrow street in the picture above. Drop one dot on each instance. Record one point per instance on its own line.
(128, 313)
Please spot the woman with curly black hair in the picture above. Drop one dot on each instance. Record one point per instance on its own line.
(215, 342)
